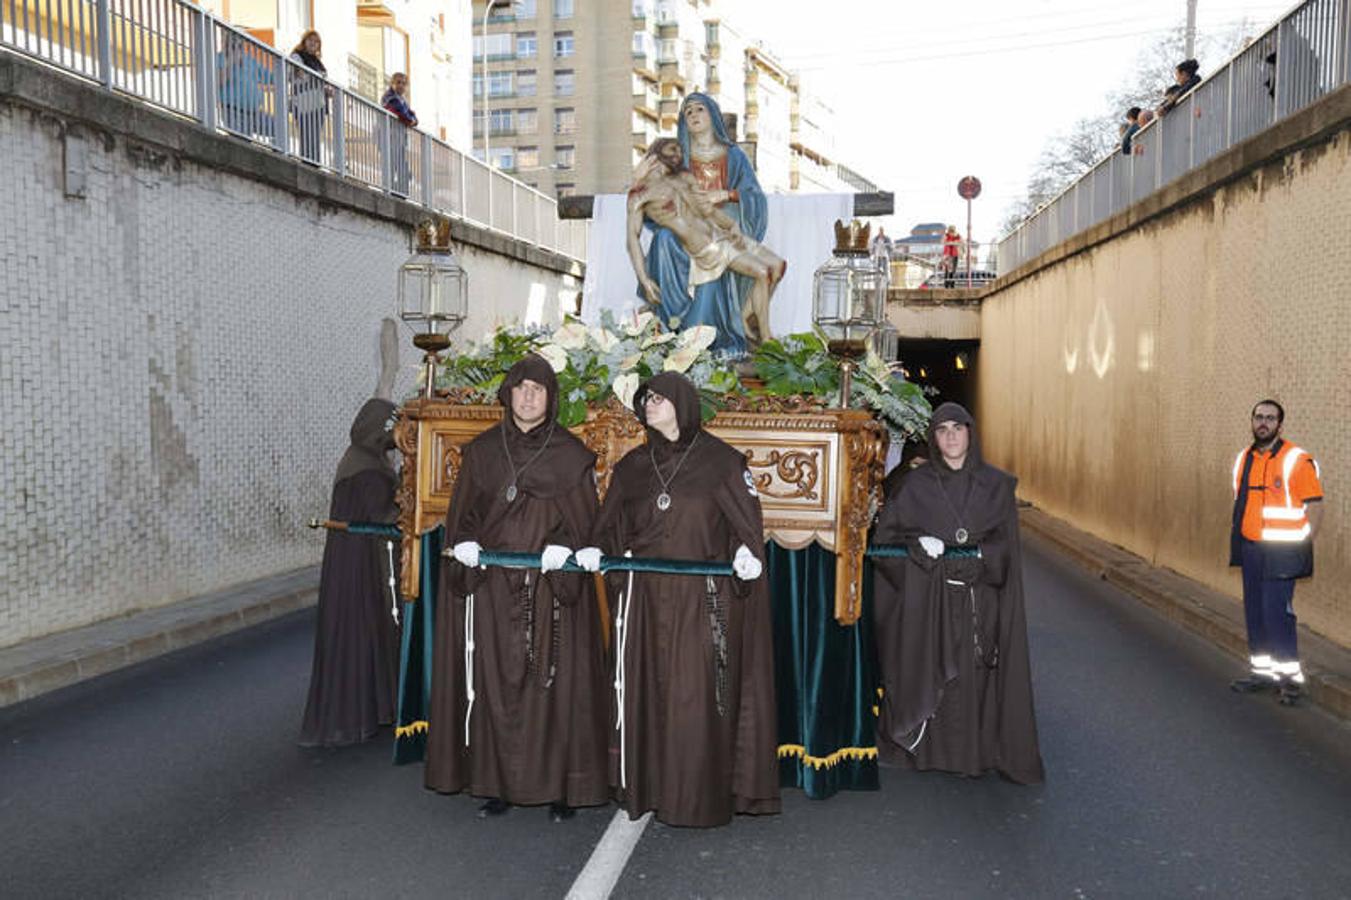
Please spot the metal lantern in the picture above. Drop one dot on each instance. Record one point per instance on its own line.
(849, 295)
(433, 294)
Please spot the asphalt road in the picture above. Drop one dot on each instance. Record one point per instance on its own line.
(180, 778)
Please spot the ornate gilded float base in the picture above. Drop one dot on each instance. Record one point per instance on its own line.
(818, 471)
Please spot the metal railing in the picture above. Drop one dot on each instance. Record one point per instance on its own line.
(177, 57)
(1304, 56)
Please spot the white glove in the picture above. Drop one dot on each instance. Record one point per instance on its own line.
(588, 558)
(932, 546)
(466, 553)
(745, 565)
(553, 557)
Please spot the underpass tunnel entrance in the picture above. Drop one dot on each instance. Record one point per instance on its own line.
(947, 366)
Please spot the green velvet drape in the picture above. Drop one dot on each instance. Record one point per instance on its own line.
(415, 656)
(824, 677)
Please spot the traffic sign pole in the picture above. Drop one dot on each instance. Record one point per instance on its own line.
(968, 189)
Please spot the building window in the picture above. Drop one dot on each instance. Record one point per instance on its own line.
(527, 121)
(563, 9)
(525, 9)
(711, 33)
(499, 46)
(565, 120)
(526, 45)
(565, 83)
(502, 121)
(563, 44)
(525, 83)
(565, 157)
(503, 157)
(499, 84)
(478, 132)
(565, 190)
(527, 158)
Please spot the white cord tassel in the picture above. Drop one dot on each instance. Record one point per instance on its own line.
(922, 727)
(468, 662)
(622, 638)
(393, 592)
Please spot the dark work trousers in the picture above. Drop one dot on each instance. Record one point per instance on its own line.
(1267, 606)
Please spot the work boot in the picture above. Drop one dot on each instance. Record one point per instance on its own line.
(560, 812)
(493, 807)
(1252, 684)
(1290, 694)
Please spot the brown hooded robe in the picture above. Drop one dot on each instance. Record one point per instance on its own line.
(537, 730)
(699, 714)
(356, 653)
(957, 685)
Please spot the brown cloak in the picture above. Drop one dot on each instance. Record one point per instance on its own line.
(537, 731)
(699, 715)
(356, 655)
(957, 686)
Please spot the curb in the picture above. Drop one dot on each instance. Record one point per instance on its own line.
(1202, 610)
(49, 663)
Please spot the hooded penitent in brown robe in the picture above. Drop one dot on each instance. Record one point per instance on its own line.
(952, 632)
(536, 733)
(699, 731)
(356, 654)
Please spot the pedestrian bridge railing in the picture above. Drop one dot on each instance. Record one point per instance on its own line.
(179, 58)
(1301, 58)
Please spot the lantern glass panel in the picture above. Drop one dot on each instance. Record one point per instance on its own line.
(433, 290)
(849, 296)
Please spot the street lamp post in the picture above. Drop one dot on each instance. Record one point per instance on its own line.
(483, 32)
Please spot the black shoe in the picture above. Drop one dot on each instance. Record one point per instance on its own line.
(559, 812)
(494, 807)
(1252, 684)
(1290, 694)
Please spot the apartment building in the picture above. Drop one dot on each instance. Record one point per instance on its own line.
(366, 41)
(573, 92)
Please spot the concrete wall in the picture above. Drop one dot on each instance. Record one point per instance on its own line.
(1118, 372)
(187, 326)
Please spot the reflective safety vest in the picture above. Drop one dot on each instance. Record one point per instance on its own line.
(1274, 514)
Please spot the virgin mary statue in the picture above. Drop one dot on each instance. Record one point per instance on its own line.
(721, 168)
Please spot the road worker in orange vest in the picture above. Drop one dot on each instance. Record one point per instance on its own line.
(1276, 515)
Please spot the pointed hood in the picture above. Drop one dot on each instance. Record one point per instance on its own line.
(683, 395)
(372, 436)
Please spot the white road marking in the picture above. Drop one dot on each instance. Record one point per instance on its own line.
(598, 877)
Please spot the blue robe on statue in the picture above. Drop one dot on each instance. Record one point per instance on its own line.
(717, 303)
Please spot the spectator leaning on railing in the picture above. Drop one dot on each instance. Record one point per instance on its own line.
(309, 94)
(1128, 129)
(240, 77)
(1187, 76)
(395, 101)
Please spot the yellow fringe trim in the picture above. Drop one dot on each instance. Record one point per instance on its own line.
(827, 762)
(876, 711)
(410, 729)
(881, 692)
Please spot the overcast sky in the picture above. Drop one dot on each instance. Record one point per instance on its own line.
(925, 93)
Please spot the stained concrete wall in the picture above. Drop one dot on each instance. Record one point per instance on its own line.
(187, 327)
(1117, 372)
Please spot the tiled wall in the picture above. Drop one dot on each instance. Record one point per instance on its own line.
(181, 355)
